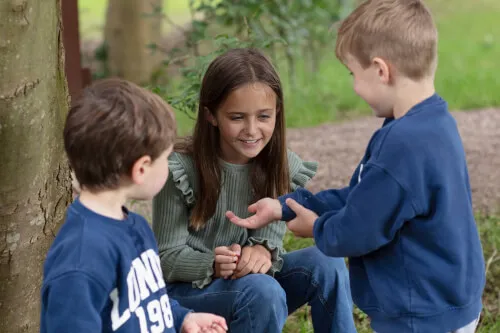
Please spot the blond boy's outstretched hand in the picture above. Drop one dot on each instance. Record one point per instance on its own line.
(303, 224)
(203, 323)
(265, 211)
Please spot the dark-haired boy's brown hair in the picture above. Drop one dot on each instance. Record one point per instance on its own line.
(110, 126)
(401, 32)
(270, 173)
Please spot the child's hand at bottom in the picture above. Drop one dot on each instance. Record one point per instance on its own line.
(203, 323)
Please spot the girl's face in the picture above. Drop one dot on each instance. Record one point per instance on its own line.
(246, 122)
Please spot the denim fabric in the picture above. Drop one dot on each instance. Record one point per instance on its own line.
(260, 303)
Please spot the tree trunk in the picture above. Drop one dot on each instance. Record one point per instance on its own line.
(34, 179)
(131, 27)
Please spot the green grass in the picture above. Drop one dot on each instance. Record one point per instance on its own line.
(489, 227)
(467, 77)
(469, 51)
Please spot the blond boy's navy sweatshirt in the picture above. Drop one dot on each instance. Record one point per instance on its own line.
(407, 225)
(104, 275)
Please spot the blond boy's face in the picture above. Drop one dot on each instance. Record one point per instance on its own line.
(368, 83)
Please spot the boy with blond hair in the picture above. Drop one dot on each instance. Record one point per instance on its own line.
(102, 272)
(406, 220)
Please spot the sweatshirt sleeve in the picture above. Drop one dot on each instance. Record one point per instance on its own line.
(271, 236)
(319, 203)
(73, 302)
(179, 313)
(171, 207)
(376, 208)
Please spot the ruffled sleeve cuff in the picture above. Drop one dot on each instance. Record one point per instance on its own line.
(208, 267)
(180, 178)
(301, 171)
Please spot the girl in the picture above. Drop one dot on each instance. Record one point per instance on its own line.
(238, 154)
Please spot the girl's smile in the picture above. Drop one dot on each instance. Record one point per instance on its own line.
(246, 122)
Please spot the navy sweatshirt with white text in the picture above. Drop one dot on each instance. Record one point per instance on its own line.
(406, 223)
(104, 275)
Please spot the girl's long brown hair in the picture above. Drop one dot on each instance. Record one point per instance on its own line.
(269, 175)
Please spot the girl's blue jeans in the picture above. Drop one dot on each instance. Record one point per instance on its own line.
(260, 303)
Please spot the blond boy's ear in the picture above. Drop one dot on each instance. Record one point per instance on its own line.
(384, 70)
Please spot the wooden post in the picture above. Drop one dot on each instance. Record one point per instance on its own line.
(77, 76)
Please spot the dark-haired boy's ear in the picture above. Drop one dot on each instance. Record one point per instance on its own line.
(210, 117)
(139, 169)
(383, 70)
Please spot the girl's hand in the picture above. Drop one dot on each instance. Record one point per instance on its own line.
(254, 259)
(266, 211)
(203, 323)
(226, 258)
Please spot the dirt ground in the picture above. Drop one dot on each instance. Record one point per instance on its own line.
(339, 147)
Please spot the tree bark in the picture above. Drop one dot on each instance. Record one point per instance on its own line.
(34, 178)
(132, 25)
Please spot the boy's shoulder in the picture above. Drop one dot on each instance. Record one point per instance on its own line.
(88, 244)
(426, 123)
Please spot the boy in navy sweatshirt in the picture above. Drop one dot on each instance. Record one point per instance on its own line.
(406, 220)
(102, 272)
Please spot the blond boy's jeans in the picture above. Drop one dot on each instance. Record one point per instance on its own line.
(470, 328)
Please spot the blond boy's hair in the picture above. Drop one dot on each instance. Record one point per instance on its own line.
(402, 32)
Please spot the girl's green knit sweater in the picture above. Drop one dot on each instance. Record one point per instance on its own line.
(187, 255)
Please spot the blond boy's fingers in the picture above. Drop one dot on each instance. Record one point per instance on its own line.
(292, 225)
(295, 206)
(245, 223)
(252, 208)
